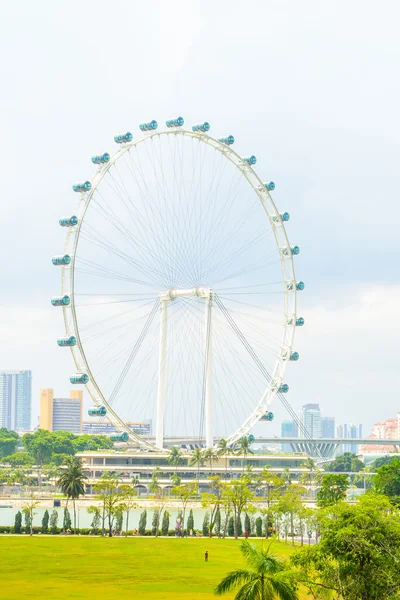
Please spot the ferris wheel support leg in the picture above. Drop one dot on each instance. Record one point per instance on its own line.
(161, 374)
(208, 374)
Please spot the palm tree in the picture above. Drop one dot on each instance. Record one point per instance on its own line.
(210, 454)
(286, 477)
(175, 457)
(242, 447)
(197, 458)
(223, 449)
(268, 577)
(72, 480)
(309, 464)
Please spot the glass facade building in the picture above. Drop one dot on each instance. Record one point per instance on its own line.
(289, 429)
(311, 421)
(16, 400)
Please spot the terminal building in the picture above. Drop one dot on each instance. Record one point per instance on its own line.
(140, 465)
(61, 414)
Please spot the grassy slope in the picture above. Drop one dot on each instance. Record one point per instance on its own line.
(96, 568)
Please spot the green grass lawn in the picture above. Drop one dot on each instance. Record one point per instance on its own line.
(54, 568)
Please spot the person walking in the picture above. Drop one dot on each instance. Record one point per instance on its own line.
(206, 556)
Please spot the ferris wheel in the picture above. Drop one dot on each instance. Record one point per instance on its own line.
(178, 287)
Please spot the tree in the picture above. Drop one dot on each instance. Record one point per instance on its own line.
(28, 511)
(110, 495)
(184, 492)
(247, 525)
(383, 460)
(290, 506)
(231, 527)
(210, 454)
(142, 522)
(175, 457)
(45, 521)
(206, 524)
(129, 502)
(8, 442)
(333, 489)
(39, 445)
(387, 479)
(19, 459)
(259, 527)
(239, 527)
(217, 525)
(165, 523)
(242, 448)
(66, 520)
(358, 553)
(95, 524)
(53, 521)
(267, 578)
(197, 458)
(347, 462)
(224, 449)
(18, 522)
(212, 501)
(159, 494)
(190, 521)
(72, 480)
(155, 522)
(119, 518)
(238, 495)
(308, 478)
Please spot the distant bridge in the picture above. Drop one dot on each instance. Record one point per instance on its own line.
(321, 447)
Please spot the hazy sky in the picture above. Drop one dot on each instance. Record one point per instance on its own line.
(311, 88)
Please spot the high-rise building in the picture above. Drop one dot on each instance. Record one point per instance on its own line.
(61, 414)
(328, 427)
(311, 421)
(289, 429)
(16, 400)
(351, 431)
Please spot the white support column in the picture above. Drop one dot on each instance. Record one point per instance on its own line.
(208, 388)
(161, 373)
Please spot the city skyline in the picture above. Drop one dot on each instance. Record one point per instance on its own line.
(350, 303)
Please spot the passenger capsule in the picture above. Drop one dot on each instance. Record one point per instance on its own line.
(294, 250)
(178, 122)
(97, 411)
(300, 322)
(68, 221)
(269, 185)
(251, 438)
(282, 217)
(61, 259)
(77, 378)
(229, 140)
(123, 138)
(300, 286)
(201, 127)
(60, 300)
(67, 341)
(101, 159)
(119, 437)
(283, 388)
(251, 160)
(268, 416)
(82, 187)
(294, 356)
(148, 126)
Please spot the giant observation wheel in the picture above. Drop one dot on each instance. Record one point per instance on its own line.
(178, 288)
